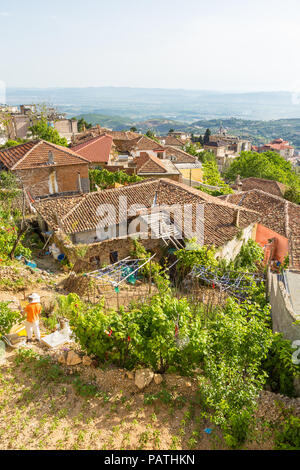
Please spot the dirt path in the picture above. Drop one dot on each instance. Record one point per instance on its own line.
(48, 406)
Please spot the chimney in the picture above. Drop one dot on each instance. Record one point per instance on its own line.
(50, 158)
(239, 183)
(236, 218)
(79, 183)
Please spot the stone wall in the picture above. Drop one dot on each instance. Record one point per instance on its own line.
(100, 253)
(231, 249)
(283, 316)
(66, 177)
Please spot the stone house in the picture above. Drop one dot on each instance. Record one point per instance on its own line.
(171, 140)
(279, 223)
(46, 169)
(280, 146)
(149, 166)
(224, 155)
(109, 217)
(128, 149)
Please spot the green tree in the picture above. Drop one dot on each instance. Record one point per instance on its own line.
(82, 125)
(191, 149)
(292, 194)
(151, 135)
(42, 130)
(268, 165)
(13, 143)
(212, 177)
(104, 178)
(207, 156)
(206, 136)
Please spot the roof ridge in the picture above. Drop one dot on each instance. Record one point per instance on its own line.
(6, 149)
(94, 193)
(92, 140)
(207, 197)
(74, 207)
(274, 197)
(154, 159)
(152, 140)
(38, 142)
(65, 149)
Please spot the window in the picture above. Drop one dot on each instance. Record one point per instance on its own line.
(95, 261)
(114, 257)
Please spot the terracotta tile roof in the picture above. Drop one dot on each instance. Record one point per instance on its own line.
(269, 186)
(36, 155)
(125, 145)
(277, 214)
(181, 156)
(277, 144)
(147, 164)
(10, 156)
(170, 140)
(219, 215)
(123, 135)
(54, 209)
(219, 143)
(96, 149)
(141, 143)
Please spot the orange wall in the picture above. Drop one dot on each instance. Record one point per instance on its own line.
(263, 234)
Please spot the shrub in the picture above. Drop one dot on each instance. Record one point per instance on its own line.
(160, 334)
(8, 318)
(249, 257)
(238, 341)
(279, 366)
(8, 236)
(104, 178)
(288, 438)
(195, 255)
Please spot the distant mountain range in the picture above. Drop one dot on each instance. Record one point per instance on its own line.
(145, 103)
(259, 116)
(259, 132)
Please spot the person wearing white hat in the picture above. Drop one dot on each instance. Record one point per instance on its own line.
(33, 311)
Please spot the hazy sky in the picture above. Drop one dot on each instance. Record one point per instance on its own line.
(234, 45)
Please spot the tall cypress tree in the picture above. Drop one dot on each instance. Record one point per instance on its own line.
(206, 136)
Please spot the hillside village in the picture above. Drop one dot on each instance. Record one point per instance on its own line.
(168, 270)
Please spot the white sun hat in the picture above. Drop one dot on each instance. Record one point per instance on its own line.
(34, 297)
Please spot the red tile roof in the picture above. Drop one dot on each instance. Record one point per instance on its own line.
(269, 186)
(181, 156)
(97, 149)
(140, 143)
(11, 155)
(219, 227)
(148, 164)
(171, 140)
(35, 154)
(278, 214)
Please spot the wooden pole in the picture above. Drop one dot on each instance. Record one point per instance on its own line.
(150, 276)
